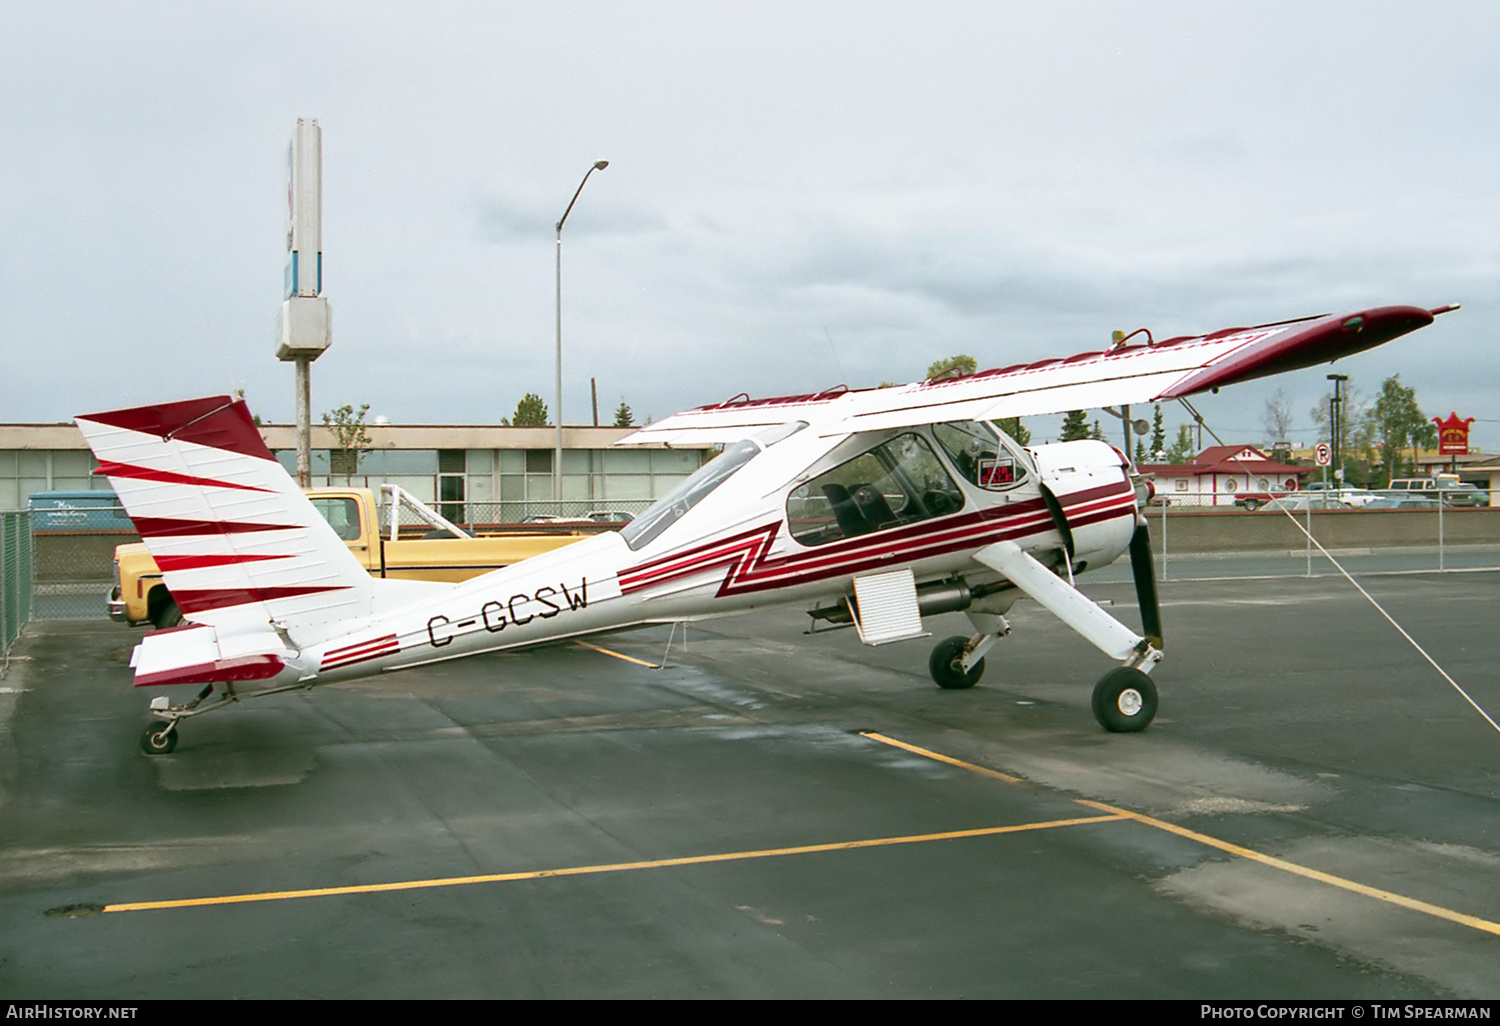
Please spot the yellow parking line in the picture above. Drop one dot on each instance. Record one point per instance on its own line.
(1234, 849)
(926, 753)
(619, 655)
(615, 867)
(1311, 874)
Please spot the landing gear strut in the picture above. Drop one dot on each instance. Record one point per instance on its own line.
(947, 665)
(959, 662)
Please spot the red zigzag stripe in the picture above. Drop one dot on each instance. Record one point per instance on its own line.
(750, 570)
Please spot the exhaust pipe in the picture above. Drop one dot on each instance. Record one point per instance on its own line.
(933, 598)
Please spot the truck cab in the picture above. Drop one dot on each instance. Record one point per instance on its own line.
(443, 552)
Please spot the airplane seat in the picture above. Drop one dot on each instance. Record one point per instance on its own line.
(851, 519)
(874, 507)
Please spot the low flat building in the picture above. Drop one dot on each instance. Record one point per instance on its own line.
(486, 474)
(1220, 474)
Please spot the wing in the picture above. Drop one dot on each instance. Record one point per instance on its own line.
(1141, 373)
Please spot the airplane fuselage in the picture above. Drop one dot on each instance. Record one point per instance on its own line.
(768, 534)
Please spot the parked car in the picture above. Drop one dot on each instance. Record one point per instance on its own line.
(610, 516)
(1255, 500)
(1395, 501)
(1304, 501)
(77, 510)
(1464, 494)
(1420, 484)
(1357, 497)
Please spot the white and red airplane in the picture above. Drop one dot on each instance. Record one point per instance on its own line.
(873, 507)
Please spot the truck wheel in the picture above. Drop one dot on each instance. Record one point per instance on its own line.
(168, 616)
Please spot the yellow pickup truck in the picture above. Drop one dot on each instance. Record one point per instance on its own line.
(443, 553)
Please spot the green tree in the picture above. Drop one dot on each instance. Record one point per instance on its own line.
(963, 365)
(953, 367)
(530, 412)
(1075, 426)
(1183, 446)
(1356, 429)
(1013, 427)
(348, 427)
(1158, 435)
(1395, 421)
(623, 416)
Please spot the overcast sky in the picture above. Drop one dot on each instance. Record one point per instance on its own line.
(799, 194)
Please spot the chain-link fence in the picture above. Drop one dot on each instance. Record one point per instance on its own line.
(15, 578)
(1207, 535)
(73, 570)
(67, 574)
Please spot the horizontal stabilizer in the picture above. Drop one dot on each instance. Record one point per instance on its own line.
(195, 654)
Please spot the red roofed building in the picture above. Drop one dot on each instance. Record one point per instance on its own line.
(1221, 474)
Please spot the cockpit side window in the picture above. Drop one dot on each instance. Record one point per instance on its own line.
(897, 483)
(979, 455)
(670, 508)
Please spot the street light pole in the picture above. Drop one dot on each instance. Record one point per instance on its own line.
(1336, 426)
(599, 165)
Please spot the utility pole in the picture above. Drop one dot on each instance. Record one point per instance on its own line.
(303, 330)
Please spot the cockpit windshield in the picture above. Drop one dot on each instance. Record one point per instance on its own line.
(980, 454)
(670, 508)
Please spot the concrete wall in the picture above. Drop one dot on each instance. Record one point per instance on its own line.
(1214, 531)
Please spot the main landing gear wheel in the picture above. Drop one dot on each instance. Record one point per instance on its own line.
(947, 665)
(159, 739)
(1124, 700)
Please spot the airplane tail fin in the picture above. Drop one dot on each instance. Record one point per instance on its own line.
(240, 547)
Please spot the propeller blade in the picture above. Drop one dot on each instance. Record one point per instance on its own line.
(1143, 568)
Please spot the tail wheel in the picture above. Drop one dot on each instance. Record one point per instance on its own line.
(159, 739)
(947, 665)
(1124, 700)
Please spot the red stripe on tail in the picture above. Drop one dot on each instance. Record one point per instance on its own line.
(110, 469)
(202, 600)
(218, 422)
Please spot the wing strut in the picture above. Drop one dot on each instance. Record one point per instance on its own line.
(1199, 418)
(1070, 606)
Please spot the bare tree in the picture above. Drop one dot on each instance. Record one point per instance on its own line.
(1278, 416)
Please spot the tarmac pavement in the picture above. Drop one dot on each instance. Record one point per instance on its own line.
(1315, 813)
